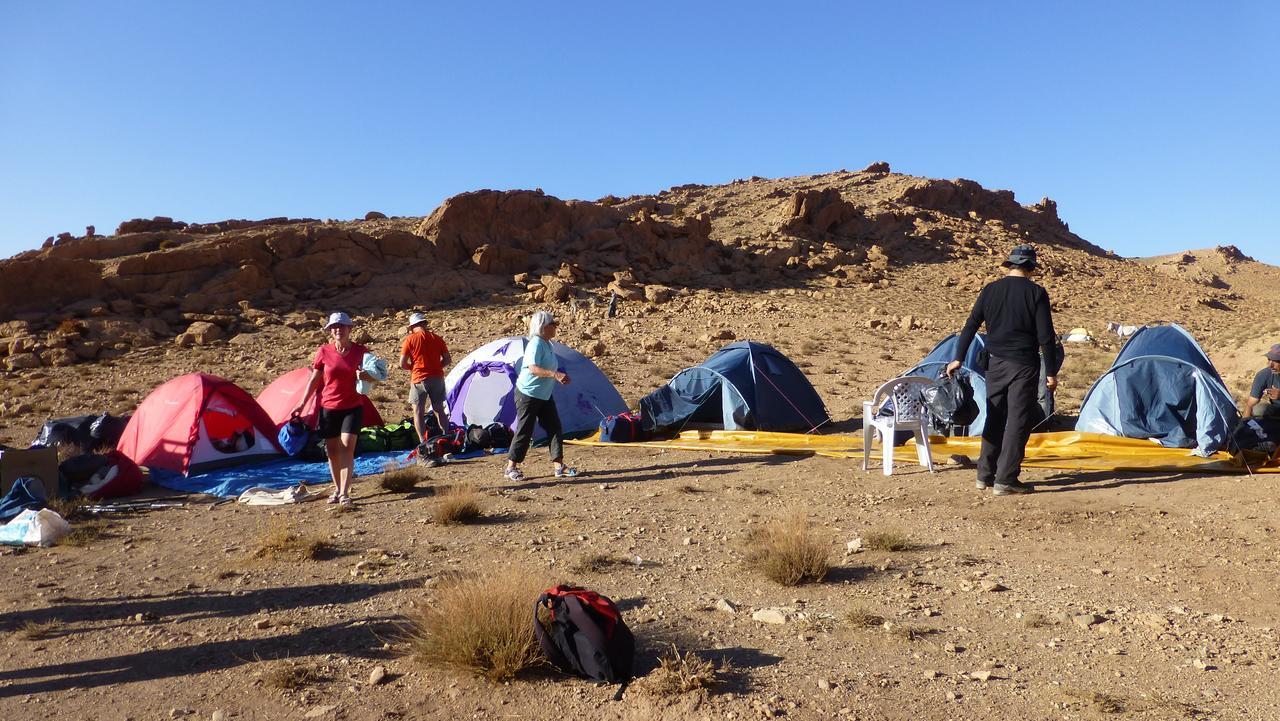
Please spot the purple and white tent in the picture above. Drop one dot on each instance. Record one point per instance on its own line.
(481, 388)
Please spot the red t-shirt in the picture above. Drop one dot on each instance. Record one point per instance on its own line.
(338, 391)
(425, 351)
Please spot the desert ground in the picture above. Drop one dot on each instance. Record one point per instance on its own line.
(1100, 596)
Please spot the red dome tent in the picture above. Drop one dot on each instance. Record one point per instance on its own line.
(196, 423)
(279, 398)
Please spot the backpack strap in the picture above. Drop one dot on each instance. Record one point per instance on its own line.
(549, 647)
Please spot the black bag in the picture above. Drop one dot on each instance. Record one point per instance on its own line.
(950, 401)
(499, 435)
(477, 439)
(586, 635)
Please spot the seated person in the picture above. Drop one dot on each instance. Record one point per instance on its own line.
(1264, 396)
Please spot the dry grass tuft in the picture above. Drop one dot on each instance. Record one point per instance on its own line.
(862, 618)
(1101, 702)
(689, 488)
(401, 479)
(458, 504)
(70, 508)
(908, 632)
(479, 624)
(32, 631)
(84, 534)
(279, 542)
(789, 551)
(681, 673)
(598, 563)
(1036, 620)
(809, 347)
(887, 540)
(290, 675)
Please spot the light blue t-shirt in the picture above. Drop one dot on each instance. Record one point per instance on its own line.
(537, 353)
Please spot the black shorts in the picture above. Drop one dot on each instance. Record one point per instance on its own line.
(334, 422)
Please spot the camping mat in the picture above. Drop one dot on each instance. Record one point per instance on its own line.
(231, 482)
(1067, 450)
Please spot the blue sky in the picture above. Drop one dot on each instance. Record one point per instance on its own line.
(1152, 124)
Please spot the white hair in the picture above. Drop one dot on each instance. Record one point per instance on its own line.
(540, 320)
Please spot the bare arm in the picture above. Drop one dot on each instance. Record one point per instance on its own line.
(540, 372)
(312, 384)
(405, 362)
(1249, 403)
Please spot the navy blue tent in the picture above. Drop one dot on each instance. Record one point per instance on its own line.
(1162, 386)
(742, 386)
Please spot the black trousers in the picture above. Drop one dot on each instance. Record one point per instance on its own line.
(1012, 408)
(528, 411)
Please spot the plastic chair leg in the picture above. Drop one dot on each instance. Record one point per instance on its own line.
(923, 452)
(886, 448)
(866, 437)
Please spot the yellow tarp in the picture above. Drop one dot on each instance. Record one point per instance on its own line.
(1066, 450)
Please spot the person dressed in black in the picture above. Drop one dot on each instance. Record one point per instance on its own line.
(1019, 330)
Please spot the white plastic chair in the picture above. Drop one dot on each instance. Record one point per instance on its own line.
(909, 413)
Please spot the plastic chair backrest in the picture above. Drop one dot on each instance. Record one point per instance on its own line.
(908, 406)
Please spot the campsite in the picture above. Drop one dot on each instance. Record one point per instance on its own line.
(1108, 593)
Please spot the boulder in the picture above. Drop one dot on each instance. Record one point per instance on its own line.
(658, 293)
(22, 361)
(200, 333)
(375, 215)
(625, 292)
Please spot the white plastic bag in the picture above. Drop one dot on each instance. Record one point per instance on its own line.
(376, 368)
(34, 528)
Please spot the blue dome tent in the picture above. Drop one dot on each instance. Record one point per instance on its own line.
(1163, 387)
(480, 389)
(742, 386)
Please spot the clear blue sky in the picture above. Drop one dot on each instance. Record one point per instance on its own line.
(1153, 124)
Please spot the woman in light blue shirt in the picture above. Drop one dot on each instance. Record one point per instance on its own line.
(534, 400)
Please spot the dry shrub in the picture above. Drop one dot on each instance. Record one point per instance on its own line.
(681, 673)
(84, 534)
(70, 326)
(907, 632)
(458, 504)
(1102, 702)
(598, 563)
(862, 618)
(33, 631)
(887, 540)
(789, 551)
(281, 543)
(480, 624)
(809, 347)
(688, 488)
(70, 508)
(1036, 620)
(400, 479)
(290, 675)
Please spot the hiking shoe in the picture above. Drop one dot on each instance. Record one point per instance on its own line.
(515, 475)
(566, 472)
(1016, 488)
(982, 485)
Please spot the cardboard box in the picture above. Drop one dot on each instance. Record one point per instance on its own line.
(39, 462)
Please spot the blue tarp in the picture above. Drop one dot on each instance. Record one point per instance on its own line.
(231, 482)
(26, 494)
(742, 386)
(1163, 387)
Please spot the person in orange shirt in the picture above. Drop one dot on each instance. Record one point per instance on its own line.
(425, 355)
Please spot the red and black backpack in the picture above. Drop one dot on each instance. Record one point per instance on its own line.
(585, 635)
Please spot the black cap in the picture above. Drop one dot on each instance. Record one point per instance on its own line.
(1021, 255)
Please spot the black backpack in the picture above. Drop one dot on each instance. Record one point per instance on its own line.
(586, 636)
(950, 401)
(477, 439)
(500, 436)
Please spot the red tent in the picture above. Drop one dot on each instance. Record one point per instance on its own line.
(279, 398)
(196, 423)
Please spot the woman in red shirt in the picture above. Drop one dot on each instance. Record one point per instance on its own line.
(335, 369)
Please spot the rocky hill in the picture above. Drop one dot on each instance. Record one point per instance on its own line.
(874, 260)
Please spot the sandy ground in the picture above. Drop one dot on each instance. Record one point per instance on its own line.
(167, 616)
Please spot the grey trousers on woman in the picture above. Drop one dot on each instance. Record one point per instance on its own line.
(529, 410)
